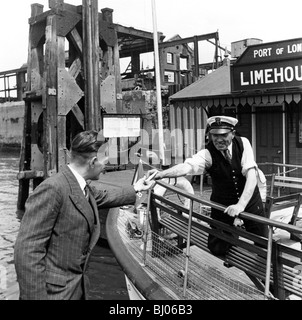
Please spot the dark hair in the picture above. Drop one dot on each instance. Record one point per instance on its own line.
(85, 142)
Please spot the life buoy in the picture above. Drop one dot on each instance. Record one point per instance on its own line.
(181, 183)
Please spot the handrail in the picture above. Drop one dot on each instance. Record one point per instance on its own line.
(281, 164)
(13, 71)
(245, 215)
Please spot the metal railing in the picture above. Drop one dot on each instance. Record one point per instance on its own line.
(12, 85)
(271, 224)
(271, 169)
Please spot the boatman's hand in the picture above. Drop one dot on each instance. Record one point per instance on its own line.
(143, 184)
(234, 210)
(154, 174)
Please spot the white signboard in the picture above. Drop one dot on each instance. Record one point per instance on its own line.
(121, 126)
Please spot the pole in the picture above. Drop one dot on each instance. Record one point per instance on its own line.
(158, 87)
(188, 249)
(196, 58)
(91, 64)
(267, 293)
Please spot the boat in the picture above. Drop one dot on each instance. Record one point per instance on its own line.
(162, 246)
(157, 268)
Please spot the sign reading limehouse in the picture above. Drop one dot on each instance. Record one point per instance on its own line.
(269, 66)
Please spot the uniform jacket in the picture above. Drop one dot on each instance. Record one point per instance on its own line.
(57, 234)
(228, 184)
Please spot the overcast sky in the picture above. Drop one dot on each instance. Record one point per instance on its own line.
(234, 20)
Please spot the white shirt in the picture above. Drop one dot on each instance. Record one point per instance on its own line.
(202, 160)
(80, 179)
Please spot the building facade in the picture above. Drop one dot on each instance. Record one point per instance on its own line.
(263, 89)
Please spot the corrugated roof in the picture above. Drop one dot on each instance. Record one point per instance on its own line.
(213, 84)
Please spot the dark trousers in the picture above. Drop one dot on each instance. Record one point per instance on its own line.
(218, 246)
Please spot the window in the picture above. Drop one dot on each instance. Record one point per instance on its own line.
(169, 76)
(183, 63)
(170, 58)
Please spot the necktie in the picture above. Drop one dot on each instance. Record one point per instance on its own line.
(86, 189)
(87, 193)
(227, 155)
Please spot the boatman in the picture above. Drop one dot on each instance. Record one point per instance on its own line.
(61, 225)
(229, 160)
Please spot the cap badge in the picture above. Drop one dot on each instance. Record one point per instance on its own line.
(218, 121)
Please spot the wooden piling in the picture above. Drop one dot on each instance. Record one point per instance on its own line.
(63, 91)
(91, 64)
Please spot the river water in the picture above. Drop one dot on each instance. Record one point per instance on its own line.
(106, 277)
(9, 217)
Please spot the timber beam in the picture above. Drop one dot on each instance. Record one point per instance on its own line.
(27, 175)
(173, 43)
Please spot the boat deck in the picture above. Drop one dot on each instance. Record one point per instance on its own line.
(208, 278)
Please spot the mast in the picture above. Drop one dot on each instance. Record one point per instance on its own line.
(158, 87)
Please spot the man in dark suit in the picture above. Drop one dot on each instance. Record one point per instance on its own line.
(61, 225)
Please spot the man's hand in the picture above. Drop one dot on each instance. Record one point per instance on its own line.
(234, 210)
(153, 174)
(143, 184)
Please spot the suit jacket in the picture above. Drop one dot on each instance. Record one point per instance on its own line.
(57, 234)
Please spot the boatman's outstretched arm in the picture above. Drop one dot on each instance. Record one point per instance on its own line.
(178, 170)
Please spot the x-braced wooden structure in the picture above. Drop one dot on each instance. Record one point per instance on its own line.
(70, 49)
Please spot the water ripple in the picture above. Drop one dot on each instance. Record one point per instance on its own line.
(9, 221)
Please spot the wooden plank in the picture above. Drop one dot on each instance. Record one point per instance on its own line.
(200, 137)
(67, 21)
(62, 149)
(91, 65)
(77, 112)
(25, 159)
(284, 178)
(26, 175)
(36, 9)
(56, 4)
(287, 185)
(173, 43)
(185, 120)
(76, 40)
(61, 52)
(192, 130)
(179, 139)
(50, 97)
(64, 103)
(96, 64)
(32, 83)
(35, 70)
(75, 68)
